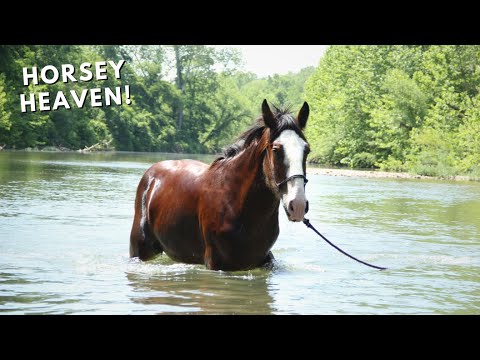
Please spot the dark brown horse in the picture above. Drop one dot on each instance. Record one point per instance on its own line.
(225, 215)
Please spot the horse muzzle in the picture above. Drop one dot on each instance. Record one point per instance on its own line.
(296, 210)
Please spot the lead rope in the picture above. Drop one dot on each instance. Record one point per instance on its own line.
(307, 223)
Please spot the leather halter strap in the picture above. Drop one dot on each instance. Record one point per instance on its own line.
(305, 180)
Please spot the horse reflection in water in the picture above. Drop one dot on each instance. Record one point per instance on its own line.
(225, 215)
(197, 291)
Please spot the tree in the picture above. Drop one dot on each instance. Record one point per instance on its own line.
(5, 123)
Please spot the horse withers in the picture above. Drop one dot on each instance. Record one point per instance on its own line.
(225, 215)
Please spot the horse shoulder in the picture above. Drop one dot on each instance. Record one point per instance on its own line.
(218, 214)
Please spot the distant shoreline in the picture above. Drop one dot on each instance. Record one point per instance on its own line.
(381, 174)
(310, 170)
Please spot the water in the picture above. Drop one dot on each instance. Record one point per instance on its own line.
(65, 221)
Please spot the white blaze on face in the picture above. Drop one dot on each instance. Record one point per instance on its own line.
(294, 199)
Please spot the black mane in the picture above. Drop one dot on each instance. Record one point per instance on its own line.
(284, 121)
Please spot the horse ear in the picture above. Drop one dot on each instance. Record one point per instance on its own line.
(268, 117)
(303, 115)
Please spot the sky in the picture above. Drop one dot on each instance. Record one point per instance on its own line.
(265, 60)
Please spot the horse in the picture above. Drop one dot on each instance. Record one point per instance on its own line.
(225, 215)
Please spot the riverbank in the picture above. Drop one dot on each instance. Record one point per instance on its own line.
(101, 146)
(310, 170)
(381, 174)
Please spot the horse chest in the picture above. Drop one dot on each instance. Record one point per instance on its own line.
(244, 244)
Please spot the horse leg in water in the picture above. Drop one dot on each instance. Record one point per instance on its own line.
(269, 261)
(142, 242)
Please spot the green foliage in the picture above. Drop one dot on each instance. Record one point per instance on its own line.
(402, 108)
(433, 153)
(198, 109)
(184, 98)
(282, 90)
(5, 123)
(363, 160)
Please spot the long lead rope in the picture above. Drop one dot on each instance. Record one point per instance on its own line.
(307, 223)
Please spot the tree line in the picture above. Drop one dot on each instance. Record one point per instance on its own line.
(394, 107)
(401, 108)
(190, 99)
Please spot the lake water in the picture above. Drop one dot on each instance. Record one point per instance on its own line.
(65, 222)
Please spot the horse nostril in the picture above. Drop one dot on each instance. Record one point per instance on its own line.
(290, 206)
(306, 207)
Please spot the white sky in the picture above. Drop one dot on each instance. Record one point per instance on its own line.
(265, 60)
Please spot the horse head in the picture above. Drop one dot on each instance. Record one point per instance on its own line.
(286, 157)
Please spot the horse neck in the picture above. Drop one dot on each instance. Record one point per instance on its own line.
(247, 172)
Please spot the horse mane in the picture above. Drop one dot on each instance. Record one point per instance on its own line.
(284, 121)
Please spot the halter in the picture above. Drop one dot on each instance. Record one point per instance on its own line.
(305, 180)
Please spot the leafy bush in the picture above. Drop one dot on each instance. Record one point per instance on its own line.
(363, 160)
